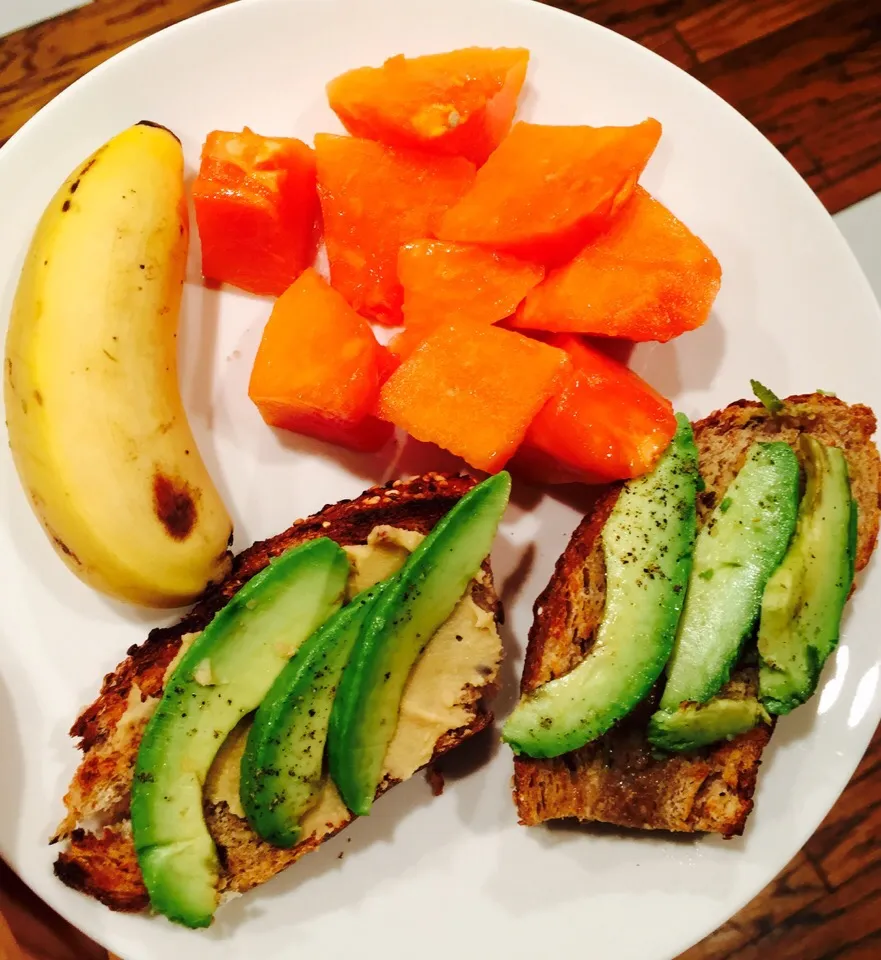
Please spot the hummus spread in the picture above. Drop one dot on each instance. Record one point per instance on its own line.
(464, 653)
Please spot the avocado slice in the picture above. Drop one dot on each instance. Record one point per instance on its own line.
(647, 541)
(283, 763)
(424, 593)
(222, 677)
(804, 599)
(734, 556)
(696, 725)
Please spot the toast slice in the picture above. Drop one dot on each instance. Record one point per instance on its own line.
(617, 779)
(98, 854)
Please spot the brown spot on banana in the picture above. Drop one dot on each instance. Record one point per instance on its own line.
(64, 548)
(159, 126)
(174, 505)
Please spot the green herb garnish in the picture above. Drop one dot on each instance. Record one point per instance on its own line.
(768, 399)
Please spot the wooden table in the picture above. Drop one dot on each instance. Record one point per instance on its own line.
(808, 74)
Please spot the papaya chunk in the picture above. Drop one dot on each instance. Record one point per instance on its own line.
(319, 368)
(459, 103)
(444, 282)
(256, 207)
(604, 423)
(648, 277)
(473, 390)
(373, 199)
(547, 190)
(404, 343)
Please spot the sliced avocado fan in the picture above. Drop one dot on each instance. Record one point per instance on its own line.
(221, 678)
(735, 554)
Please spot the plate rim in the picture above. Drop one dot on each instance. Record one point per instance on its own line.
(47, 113)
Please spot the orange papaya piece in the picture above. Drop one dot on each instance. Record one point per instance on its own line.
(648, 277)
(404, 343)
(459, 103)
(547, 189)
(373, 199)
(473, 390)
(319, 368)
(446, 282)
(256, 206)
(604, 423)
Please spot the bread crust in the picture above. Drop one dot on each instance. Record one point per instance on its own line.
(101, 862)
(618, 779)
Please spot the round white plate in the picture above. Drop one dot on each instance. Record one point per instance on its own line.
(434, 876)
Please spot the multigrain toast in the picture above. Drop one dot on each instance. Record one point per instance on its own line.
(617, 779)
(99, 856)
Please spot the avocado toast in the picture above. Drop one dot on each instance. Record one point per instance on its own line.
(384, 524)
(619, 777)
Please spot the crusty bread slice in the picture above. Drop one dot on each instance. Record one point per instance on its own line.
(617, 779)
(98, 856)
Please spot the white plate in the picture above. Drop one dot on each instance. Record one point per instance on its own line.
(421, 875)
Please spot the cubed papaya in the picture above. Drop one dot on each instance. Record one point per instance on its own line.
(404, 343)
(547, 190)
(256, 207)
(473, 390)
(445, 282)
(319, 368)
(648, 277)
(604, 422)
(373, 199)
(459, 103)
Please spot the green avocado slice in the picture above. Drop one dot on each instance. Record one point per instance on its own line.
(283, 763)
(804, 599)
(696, 725)
(647, 542)
(397, 629)
(735, 554)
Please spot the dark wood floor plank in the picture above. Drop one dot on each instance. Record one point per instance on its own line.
(868, 949)
(670, 46)
(37, 63)
(859, 185)
(849, 839)
(816, 83)
(792, 82)
(40, 932)
(844, 923)
(795, 888)
(633, 18)
(848, 918)
(719, 28)
(807, 165)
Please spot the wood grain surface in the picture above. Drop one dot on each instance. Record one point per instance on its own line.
(808, 74)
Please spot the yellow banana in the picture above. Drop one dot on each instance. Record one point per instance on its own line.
(96, 424)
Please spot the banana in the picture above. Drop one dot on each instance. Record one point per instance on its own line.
(96, 425)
